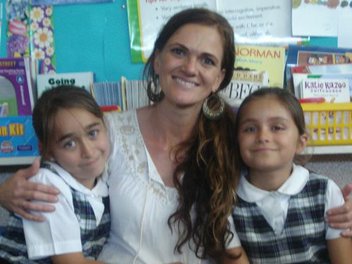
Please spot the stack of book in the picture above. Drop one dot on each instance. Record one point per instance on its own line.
(125, 94)
(317, 74)
(322, 79)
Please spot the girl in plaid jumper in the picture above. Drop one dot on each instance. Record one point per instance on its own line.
(280, 214)
(74, 148)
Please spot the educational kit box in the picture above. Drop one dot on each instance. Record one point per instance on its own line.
(17, 137)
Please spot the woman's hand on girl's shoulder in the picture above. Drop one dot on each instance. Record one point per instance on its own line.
(341, 217)
(17, 194)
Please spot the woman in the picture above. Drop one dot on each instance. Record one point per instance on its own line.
(161, 212)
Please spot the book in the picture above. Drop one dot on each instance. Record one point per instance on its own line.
(126, 94)
(270, 59)
(16, 95)
(51, 80)
(314, 56)
(321, 69)
(244, 83)
(332, 90)
(17, 137)
(107, 93)
(255, 67)
(334, 72)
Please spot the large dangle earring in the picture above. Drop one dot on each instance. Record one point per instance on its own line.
(154, 92)
(213, 107)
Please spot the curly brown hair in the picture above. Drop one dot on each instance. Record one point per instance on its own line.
(206, 180)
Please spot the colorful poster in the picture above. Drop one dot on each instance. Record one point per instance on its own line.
(17, 16)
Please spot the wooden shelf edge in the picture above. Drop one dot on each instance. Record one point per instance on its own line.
(16, 161)
(311, 150)
(328, 150)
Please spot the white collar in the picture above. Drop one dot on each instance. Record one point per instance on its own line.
(94, 196)
(100, 188)
(293, 185)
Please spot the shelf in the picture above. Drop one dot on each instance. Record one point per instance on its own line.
(328, 150)
(315, 150)
(16, 161)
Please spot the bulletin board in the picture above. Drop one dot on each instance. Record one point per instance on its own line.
(91, 37)
(94, 37)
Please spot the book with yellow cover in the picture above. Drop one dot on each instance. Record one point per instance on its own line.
(270, 59)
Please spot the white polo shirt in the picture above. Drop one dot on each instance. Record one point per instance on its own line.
(60, 232)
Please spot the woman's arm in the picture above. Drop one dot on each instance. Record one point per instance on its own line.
(16, 194)
(73, 258)
(340, 250)
(235, 256)
(341, 217)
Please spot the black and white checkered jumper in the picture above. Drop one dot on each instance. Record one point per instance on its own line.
(13, 245)
(303, 237)
(93, 237)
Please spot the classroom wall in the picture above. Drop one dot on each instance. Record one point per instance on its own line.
(90, 37)
(94, 37)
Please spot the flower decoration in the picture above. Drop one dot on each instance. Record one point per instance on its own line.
(43, 37)
(30, 33)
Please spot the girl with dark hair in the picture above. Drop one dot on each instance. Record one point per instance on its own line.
(281, 209)
(74, 148)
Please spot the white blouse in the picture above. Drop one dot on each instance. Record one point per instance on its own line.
(140, 202)
(61, 232)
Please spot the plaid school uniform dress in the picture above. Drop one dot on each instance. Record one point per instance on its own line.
(93, 237)
(13, 245)
(303, 237)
